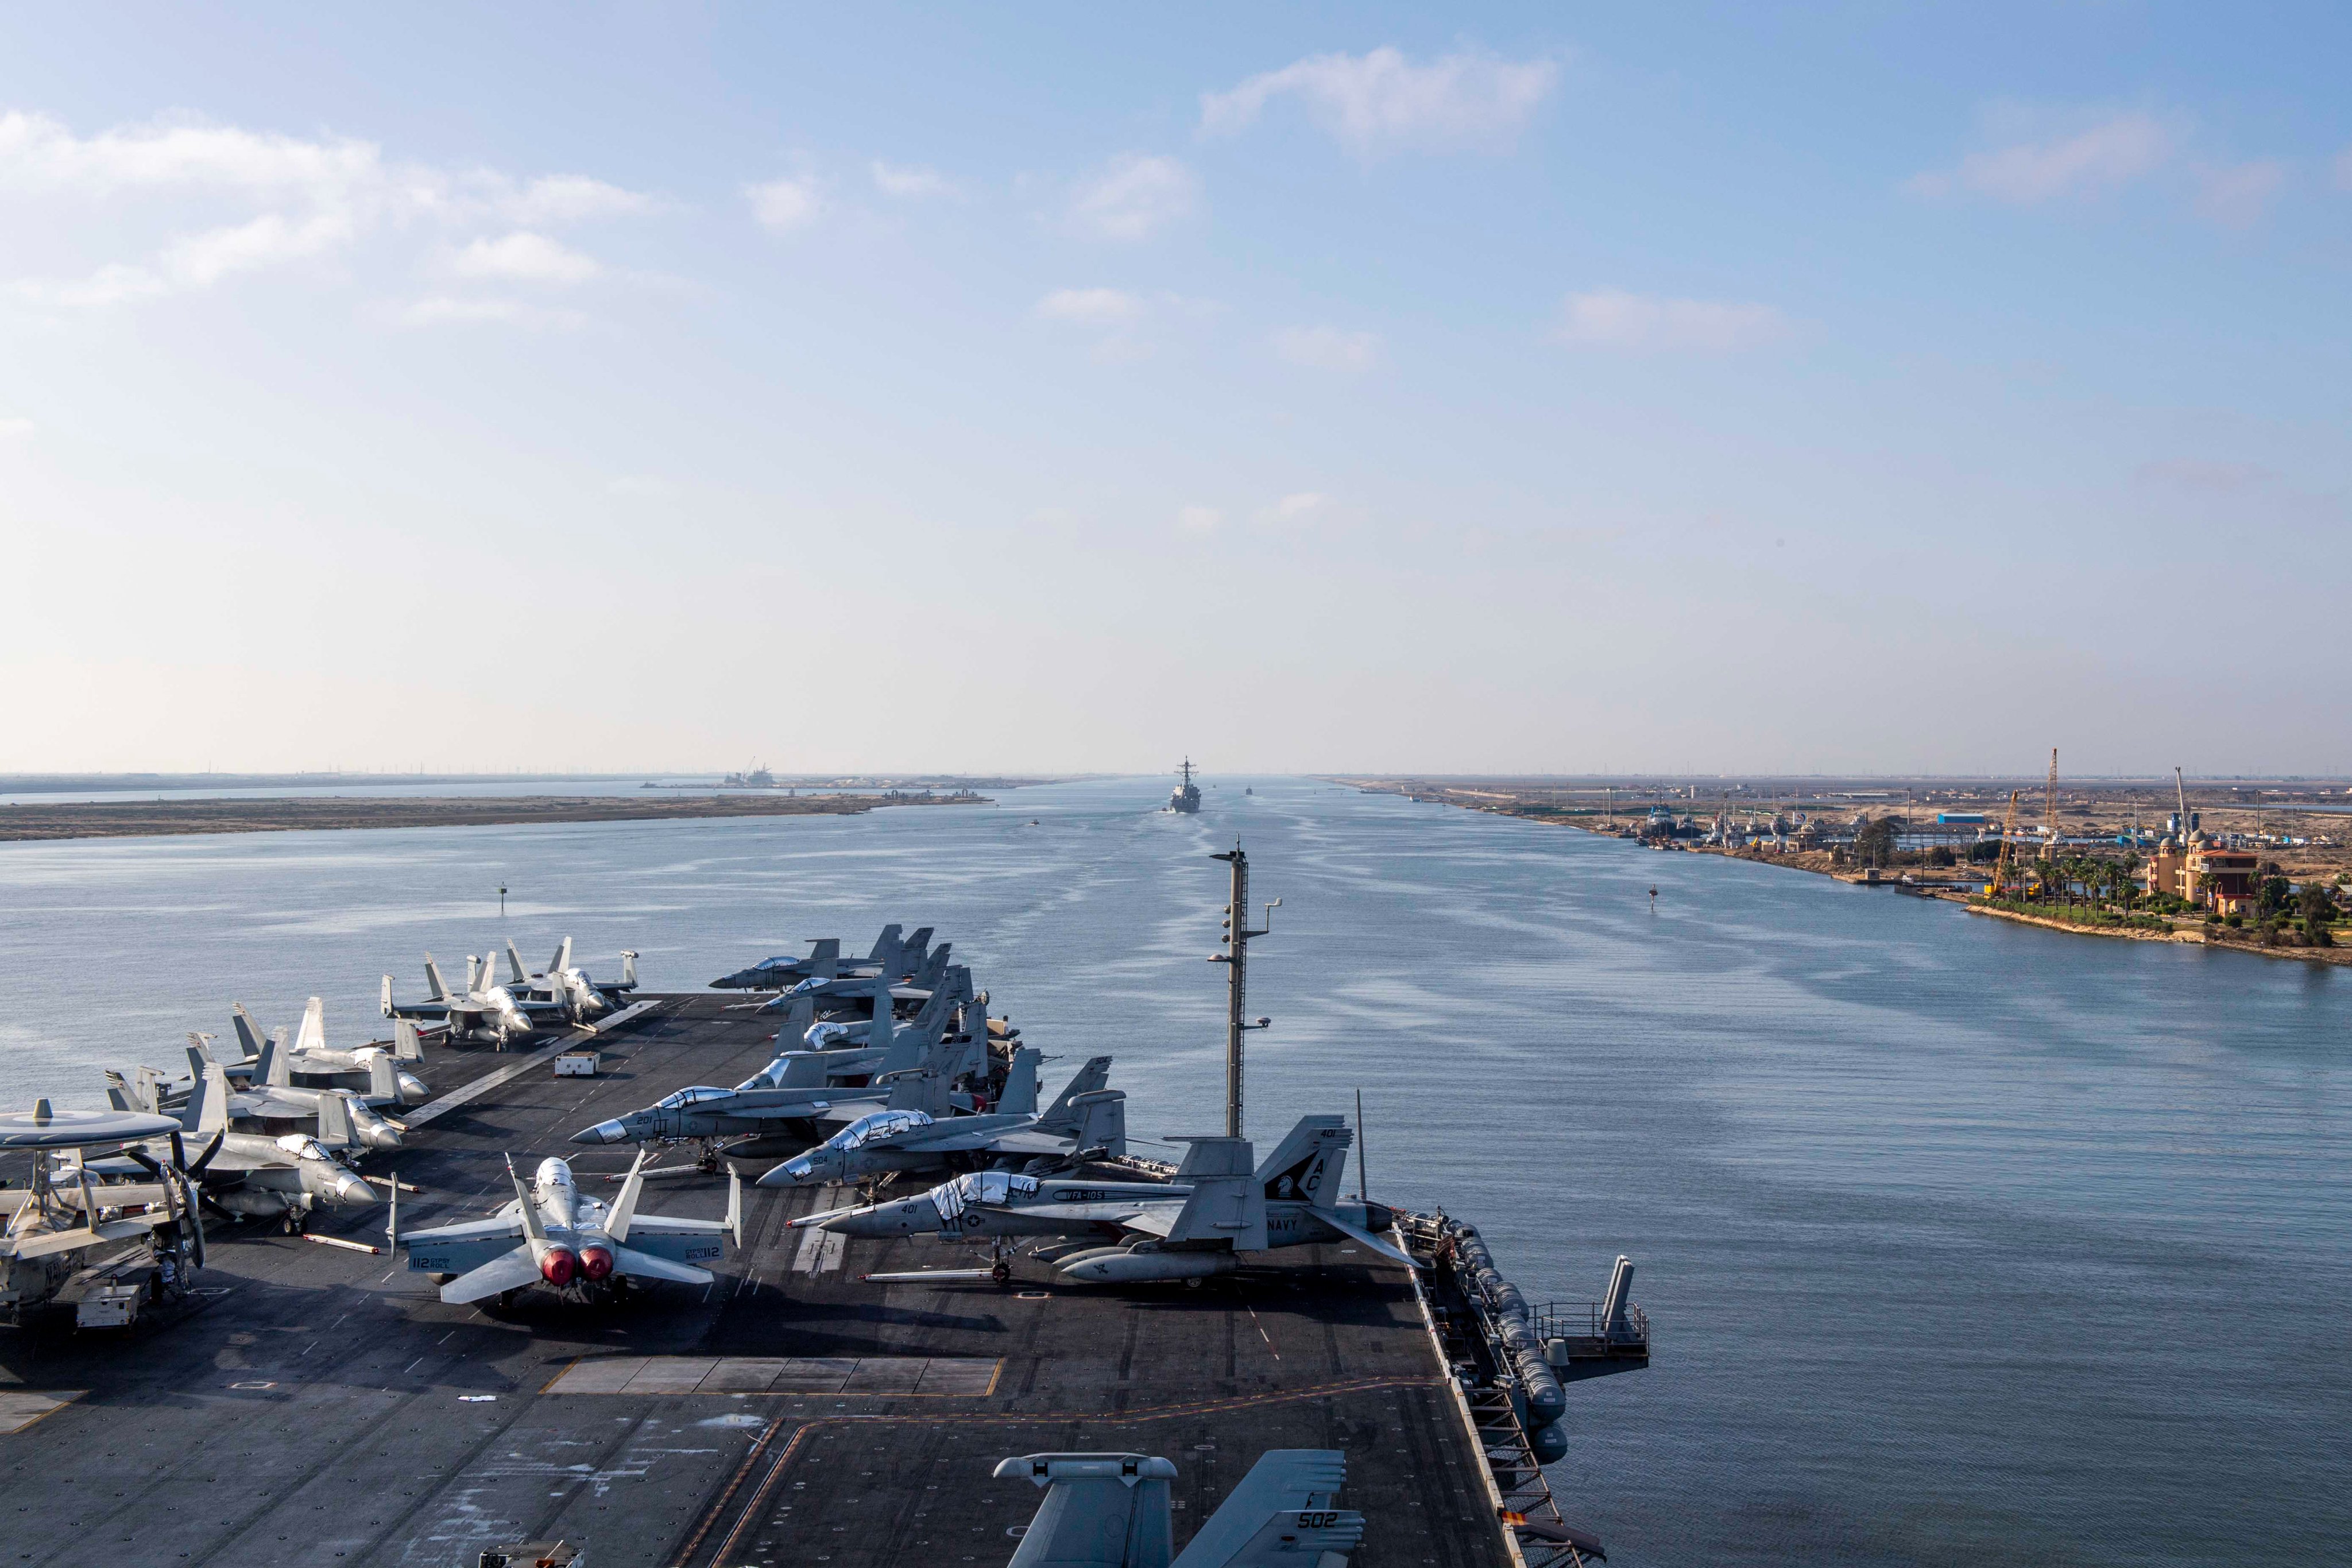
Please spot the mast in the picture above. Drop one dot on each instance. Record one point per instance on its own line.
(1236, 961)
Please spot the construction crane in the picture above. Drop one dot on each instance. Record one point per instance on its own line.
(2000, 866)
(2180, 793)
(2050, 811)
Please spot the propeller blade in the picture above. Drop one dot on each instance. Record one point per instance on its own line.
(205, 1159)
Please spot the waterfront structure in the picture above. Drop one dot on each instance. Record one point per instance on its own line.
(2219, 879)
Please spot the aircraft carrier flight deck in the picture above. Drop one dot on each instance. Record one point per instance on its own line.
(313, 1402)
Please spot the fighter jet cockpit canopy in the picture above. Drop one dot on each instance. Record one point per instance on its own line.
(880, 1124)
(693, 1096)
(303, 1146)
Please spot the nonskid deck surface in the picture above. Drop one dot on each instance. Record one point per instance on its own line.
(325, 1405)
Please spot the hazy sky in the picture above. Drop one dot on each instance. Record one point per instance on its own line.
(1070, 388)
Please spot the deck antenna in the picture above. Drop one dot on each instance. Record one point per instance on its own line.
(1236, 937)
(1363, 1165)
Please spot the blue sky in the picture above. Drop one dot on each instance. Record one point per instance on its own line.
(1744, 389)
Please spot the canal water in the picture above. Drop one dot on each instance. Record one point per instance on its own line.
(1962, 1241)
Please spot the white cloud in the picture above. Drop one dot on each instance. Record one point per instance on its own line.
(1381, 100)
(523, 257)
(1133, 196)
(2238, 196)
(1328, 348)
(14, 429)
(908, 179)
(1614, 318)
(1199, 519)
(575, 198)
(2113, 152)
(1304, 506)
(442, 310)
(274, 200)
(1093, 306)
(781, 206)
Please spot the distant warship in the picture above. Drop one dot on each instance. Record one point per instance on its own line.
(1185, 798)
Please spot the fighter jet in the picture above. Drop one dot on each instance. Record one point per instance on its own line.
(1195, 1226)
(581, 1245)
(1112, 1510)
(257, 1176)
(851, 1048)
(68, 1220)
(310, 1063)
(911, 989)
(271, 1107)
(771, 1112)
(581, 998)
(1085, 1115)
(486, 1011)
(824, 962)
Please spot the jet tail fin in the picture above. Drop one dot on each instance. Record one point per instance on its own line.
(439, 992)
(385, 998)
(531, 1227)
(1309, 1162)
(1102, 1121)
(335, 1121)
(624, 1207)
(406, 1046)
(383, 1078)
(248, 1033)
(313, 1034)
(515, 973)
(1020, 1098)
(1281, 1513)
(274, 1068)
(1059, 1115)
(629, 968)
(886, 950)
(735, 1205)
(207, 1107)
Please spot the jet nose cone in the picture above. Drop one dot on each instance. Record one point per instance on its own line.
(352, 1193)
(412, 1089)
(792, 1173)
(602, 1132)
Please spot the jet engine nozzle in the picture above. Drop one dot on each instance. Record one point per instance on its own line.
(595, 1262)
(557, 1267)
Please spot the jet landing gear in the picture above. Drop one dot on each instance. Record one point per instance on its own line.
(1000, 1262)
